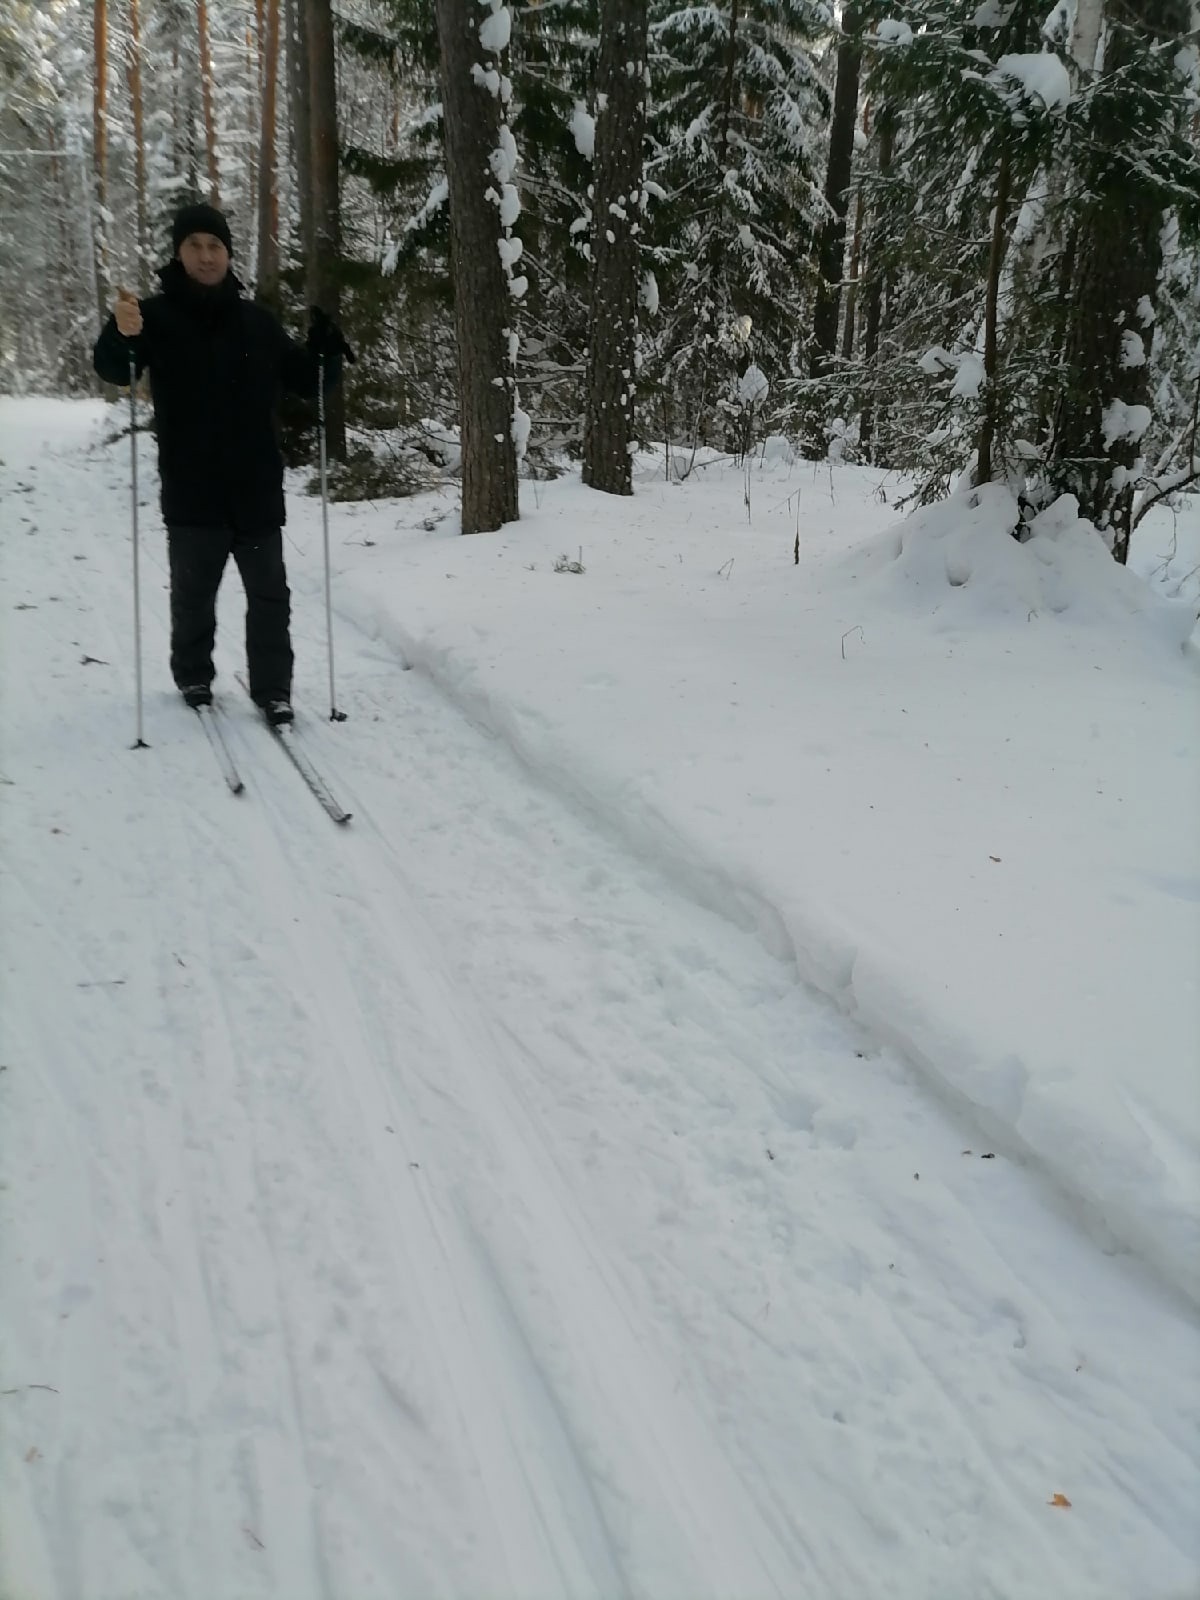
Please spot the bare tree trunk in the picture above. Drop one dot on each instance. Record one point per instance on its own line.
(323, 274)
(300, 131)
(849, 321)
(617, 209)
(133, 69)
(260, 33)
(206, 91)
(991, 399)
(886, 124)
(267, 288)
(832, 247)
(482, 307)
(256, 45)
(100, 149)
(1085, 36)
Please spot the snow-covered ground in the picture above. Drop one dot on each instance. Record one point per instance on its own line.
(721, 1123)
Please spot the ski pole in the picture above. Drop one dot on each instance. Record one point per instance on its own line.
(139, 743)
(334, 714)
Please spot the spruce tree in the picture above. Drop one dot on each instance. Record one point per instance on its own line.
(739, 105)
(1137, 173)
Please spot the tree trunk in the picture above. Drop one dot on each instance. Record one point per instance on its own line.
(100, 149)
(482, 307)
(323, 267)
(1118, 264)
(134, 76)
(267, 288)
(886, 125)
(617, 210)
(1085, 35)
(850, 319)
(728, 88)
(300, 131)
(206, 91)
(991, 399)
(832, 247)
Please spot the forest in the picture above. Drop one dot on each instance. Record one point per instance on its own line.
(958, 240)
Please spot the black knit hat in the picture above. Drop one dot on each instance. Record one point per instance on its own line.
(199, 219)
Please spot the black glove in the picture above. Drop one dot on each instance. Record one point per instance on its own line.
(325, 338)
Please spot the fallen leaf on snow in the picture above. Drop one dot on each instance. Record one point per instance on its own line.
(1059, 1500)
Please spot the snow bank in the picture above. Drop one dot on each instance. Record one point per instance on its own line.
(957, 563)
(954, 776)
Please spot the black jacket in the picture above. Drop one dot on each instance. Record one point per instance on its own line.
(217, 363)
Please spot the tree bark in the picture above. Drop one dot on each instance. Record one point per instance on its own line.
(482, 306)
(1085, 36)
(300, 131)
(991, 400)
(617, 210)
(206, 92)
(323, 267)
(133, 67)
(267, 288)
(885, 124)
(849, 321)
(100, 149)
(832, 247)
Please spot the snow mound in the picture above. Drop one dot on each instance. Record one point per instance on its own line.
(959, 563)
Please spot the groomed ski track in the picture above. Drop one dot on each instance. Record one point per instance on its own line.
(450, 1207)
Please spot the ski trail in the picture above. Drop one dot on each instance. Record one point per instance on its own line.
(653, 1451)
(450, 1208)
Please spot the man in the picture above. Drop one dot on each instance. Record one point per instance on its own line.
(217, 363)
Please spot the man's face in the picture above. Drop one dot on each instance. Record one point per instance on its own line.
(204, 258)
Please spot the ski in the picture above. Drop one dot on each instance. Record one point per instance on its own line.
(216, 739)
(285, 736)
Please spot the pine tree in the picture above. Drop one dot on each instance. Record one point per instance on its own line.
(618, 206)
(483, 205)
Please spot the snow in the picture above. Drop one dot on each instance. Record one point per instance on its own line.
(753, 386)
(511, 250)
(722, 1121)
(504, 157)
(488, 78)
(495, 30)
(1122, 421)
(509, 202)
(583, 129)
(936, 361)
(993, 14)
(970, 378)
(522, 424)
(1040, 75)
(894, 31)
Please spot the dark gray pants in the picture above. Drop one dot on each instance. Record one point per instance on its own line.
(198, 557)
